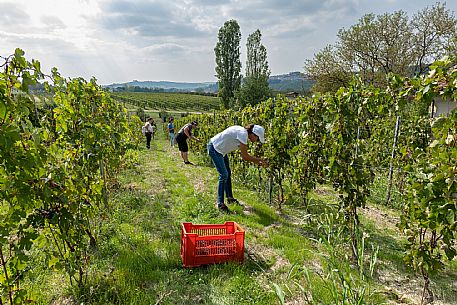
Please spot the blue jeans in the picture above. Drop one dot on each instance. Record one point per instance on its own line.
(172, 138)
(223, 168)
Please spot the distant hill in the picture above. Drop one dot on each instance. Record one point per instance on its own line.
(164, 86)
(293, 81)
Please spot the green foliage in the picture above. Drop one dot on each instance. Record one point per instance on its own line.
(434, 30)
(308, 154)
(137, 258)
(23, 158)
(338, 282)
(253, 91)
(382, 44)
(430, 217)
(256, 62)
(344, 138)
(55, 170)
(167, 101)
(328, 70)
(255, 85)
(228, 64)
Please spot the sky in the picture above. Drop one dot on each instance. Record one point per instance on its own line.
(118, 41)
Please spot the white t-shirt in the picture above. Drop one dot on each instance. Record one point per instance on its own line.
(149, 127)
(230, 139)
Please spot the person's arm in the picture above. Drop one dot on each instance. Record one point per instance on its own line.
(186, 131)
(247, 157)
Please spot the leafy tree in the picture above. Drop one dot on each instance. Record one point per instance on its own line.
(228, 64)
(451, 49)
(256, 63)
(253, 91)
(377, 45)
(381, 44)
(255, 86)
(328, 70)
(435, 32)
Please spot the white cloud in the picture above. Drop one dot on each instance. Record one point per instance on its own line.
(121, 40)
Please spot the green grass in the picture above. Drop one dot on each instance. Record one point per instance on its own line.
(137, 260)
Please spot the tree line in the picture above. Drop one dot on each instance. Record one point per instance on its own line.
(371, 49)
(234, 90)
(382, 44)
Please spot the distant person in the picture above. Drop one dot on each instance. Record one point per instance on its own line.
(221, 145)
(154, 128)
(148, 131)
(171, 131)
(181, 138)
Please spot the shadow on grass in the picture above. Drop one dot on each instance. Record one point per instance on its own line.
(444, 286)
(392, 249)
(175, 284)
(131, 198)
(263, 217)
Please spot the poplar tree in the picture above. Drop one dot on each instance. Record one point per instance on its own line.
(228, 64)
(256, 63)
(255, 86)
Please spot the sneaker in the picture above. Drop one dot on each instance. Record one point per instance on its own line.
(223, 208)
(187, 162)
(233, 201)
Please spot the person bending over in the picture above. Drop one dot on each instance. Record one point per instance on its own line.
(181, 138)
(231, 139)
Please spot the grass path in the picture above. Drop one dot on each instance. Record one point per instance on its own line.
(164, 192)
(144, 239)
(138, 258)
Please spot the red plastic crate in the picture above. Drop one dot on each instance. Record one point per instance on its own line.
(211, 243)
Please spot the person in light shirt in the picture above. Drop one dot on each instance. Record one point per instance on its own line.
(231, 139)
(148, 130)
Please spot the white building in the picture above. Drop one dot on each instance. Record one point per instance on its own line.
(442, 107)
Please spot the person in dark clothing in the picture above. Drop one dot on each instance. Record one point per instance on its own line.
(154, 128)
(181, 138)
